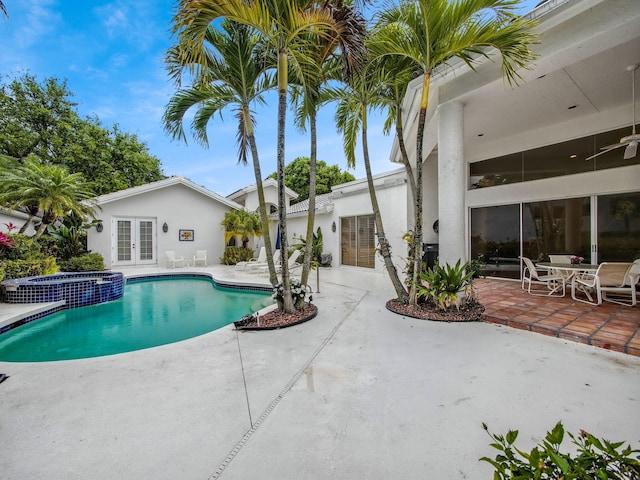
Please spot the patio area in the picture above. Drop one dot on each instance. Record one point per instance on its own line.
(359, 392)
(609, 326)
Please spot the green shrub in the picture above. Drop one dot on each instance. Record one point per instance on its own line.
(25, 248)
(233, 255)
(90, 262)
(49, 246)
(446, 285)
(594, 459)
(28, 268)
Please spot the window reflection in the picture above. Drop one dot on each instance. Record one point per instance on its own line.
(619, 227)
(565, 158)
(556, 227)
(495, 240)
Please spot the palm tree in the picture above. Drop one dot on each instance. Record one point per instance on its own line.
(350, 42)
(241, 222)
(232, 75)
(354, 100)
(55, 192)
(432, 33)
(287, 26)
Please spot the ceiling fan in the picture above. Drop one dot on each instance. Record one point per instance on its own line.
(631, 142)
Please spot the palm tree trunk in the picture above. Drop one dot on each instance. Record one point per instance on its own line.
(385, 251)
(417, 243)
(312, 199)
(405, 156)
(282, 206)
(264, 220)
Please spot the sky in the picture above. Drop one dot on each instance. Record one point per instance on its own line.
(112, 55)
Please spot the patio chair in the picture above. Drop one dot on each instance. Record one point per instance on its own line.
(260, 265)
(561, 258)
(262, 258)
(292, 262)
(553, 280)
(200, 257)
(613, 282)
(173, 259)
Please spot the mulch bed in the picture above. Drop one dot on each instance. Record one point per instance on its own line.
(277, 319)
(469, 313)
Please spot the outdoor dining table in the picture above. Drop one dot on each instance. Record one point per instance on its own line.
(569, 270)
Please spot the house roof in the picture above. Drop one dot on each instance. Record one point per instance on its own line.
(323, 203)
(160, 184)
(269, 182)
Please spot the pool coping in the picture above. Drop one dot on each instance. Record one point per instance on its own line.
(28, 312)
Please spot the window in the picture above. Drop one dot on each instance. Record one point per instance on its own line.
(555, 160)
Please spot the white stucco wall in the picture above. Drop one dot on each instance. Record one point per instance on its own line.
(17, 219)
(181, 208)
(391, 190)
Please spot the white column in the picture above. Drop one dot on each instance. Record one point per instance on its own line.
(451, 183)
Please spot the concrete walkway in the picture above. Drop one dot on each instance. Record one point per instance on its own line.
(358, 392)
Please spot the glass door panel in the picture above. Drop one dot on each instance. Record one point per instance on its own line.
(366, 242)
(146, 235)
(618, 227)
(495, 240)
(348, 240)
(124, 241)
(557, 227)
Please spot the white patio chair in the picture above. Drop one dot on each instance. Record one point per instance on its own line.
(200, 257)
(262, 257)
(613, 282)
(260, 265)
(173, 259)
(561, 258)
(291, 262)
(554, 281)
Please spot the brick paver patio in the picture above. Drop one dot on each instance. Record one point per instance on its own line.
(609, 326)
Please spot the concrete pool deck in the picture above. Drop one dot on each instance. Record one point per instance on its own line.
(358, 392)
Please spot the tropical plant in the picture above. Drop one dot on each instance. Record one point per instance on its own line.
(349, 39)
(316, 246)
(233, 255)
(359, 95)
(55, 192)
(594, 459)
(288, 27)
(446, 285)
(242, 223)
(233, 74)
(431, 33)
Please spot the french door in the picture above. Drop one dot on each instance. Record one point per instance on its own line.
(133, 241)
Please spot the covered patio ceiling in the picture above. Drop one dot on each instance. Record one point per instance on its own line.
(581, 73)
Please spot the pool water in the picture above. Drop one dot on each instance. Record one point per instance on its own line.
(150, 313)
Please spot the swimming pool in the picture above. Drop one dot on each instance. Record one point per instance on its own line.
(151, 313)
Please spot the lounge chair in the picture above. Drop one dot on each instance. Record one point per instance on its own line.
(291, 262)
(553, 280)
(612, 282)
(262, 257)
(260, 265)
(173, 259)
(200, 257)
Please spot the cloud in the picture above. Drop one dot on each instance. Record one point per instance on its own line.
(41, 20)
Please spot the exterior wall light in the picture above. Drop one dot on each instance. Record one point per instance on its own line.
(99, 227)
(165, 227)
(333, 227)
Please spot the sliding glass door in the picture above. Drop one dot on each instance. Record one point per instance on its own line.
(603, 228)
